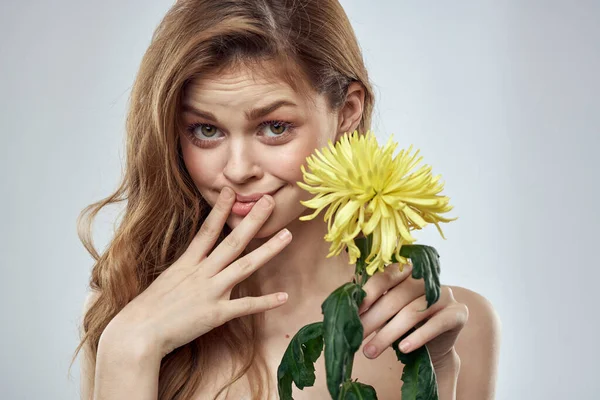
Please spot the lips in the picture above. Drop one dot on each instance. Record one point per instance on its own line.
(253, 197)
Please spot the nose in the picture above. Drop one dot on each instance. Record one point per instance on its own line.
(242, 162)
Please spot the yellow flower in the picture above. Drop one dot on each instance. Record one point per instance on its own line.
(370, 191)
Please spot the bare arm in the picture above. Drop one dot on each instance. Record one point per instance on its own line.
(125, 370)
(121, 371)
(87, 363)
(447, 376)
(478, 347)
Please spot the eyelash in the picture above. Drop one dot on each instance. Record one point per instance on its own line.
(289, 128)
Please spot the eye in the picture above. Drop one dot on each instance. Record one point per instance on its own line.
(279, 128)
(204, 135)
(209, 131)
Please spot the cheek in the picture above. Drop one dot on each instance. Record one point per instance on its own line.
(287, 165)
(288, 160)
(202, 171)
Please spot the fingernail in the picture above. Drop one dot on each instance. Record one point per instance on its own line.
(264, 202)
(284, 234)
(370, 351)
(404, 346)
(282, 297)
(227, 193)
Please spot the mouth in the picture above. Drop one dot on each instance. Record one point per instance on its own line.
(242, 208)
(253, 197)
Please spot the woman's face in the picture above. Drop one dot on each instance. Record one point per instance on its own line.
(225, 143)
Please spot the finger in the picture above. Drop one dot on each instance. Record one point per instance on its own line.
(245, 266)
(250, 305)
(231, 247)
(207, 235)
(407, 318)
(379, 283)
(388, 305)
(450, 318)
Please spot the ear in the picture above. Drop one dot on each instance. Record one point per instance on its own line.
(351, 112)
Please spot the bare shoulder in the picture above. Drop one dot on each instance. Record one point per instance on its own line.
(87, 360)
(482, 313)
(476, 299)
(478, 346)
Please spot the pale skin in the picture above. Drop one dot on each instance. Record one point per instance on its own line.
(461, 330)
(239, 158)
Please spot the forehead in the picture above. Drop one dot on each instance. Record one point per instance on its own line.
(237, 82)
(251, 83)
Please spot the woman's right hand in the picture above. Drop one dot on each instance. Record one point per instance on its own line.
(192, 296)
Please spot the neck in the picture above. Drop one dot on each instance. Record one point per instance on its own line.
(302, 270)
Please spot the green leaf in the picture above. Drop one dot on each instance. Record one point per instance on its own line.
(342, 332)
(426, 265)
(357, 391)
(418, 376)
(298, 360)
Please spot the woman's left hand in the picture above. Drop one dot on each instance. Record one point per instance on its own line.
(438, 326)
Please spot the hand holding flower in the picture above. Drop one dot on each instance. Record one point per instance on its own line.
(392, 306)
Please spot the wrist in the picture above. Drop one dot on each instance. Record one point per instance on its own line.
(125, 342)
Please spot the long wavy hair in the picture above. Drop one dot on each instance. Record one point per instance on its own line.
(315, 50)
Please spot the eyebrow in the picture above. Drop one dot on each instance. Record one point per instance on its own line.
(251, 115)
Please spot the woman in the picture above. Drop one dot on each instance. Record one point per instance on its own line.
(230, 99)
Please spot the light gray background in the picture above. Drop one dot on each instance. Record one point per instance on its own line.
(501, 97)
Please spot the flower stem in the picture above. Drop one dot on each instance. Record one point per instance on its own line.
(348, 374)
(364, 278)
